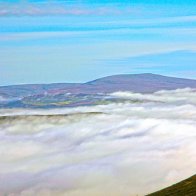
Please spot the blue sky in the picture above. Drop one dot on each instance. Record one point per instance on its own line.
(77, 41)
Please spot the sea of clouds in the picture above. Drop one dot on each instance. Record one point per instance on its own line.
(119, 149)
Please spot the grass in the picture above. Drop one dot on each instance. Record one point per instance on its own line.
(184, 188)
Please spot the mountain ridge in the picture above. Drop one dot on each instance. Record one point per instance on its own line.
(75, 83)
(22, 95)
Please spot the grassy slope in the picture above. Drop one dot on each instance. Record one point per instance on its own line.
(184, 188)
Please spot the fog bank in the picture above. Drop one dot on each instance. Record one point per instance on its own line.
(120, 149)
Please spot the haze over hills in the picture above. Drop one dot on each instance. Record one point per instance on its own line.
(73, 94)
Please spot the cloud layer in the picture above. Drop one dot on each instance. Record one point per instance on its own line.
(117, 149)
(42, 9)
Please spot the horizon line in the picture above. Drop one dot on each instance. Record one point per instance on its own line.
(21, 84)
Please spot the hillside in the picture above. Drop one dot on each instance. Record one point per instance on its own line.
(184, 188)
(141, 83)
(90, 93)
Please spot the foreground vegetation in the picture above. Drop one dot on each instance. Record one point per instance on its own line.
(184, 188)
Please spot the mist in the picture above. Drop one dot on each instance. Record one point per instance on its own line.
(133, 147)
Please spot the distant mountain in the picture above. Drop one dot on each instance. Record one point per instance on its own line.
(184, 188)
(87, 93)
(140, 83)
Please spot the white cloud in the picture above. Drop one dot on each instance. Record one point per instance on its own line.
(20, 9)
(186, 96)
(2, 99)
(116, 149)
(6, 99)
